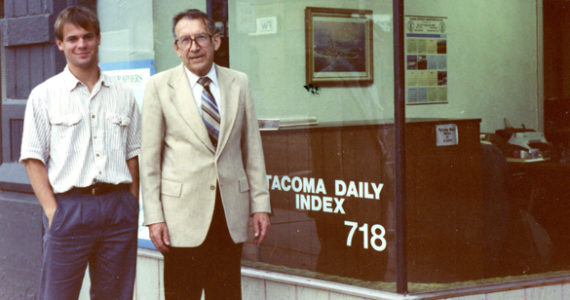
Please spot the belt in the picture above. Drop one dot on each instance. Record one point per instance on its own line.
(97, 189)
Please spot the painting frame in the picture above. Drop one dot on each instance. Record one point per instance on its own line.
(338, 57)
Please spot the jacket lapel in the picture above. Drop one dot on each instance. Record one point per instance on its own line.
(229, 94)
(183, 99)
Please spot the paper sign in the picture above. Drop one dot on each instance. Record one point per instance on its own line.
(446, 135)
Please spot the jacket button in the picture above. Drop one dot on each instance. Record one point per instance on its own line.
(212, 187)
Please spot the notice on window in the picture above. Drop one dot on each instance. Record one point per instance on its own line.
(134, 74)
(426, 57)
(446, 135)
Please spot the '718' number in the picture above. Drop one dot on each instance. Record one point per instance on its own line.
(377, 232)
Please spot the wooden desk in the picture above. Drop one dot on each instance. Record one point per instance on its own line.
(536, 182)
(444, 205)
(542, 190)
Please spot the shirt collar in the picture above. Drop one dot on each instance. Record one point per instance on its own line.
(71, 82)
(193, 78)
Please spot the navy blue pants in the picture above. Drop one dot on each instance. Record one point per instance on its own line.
(99, 231)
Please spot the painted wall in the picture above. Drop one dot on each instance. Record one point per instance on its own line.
(126, 27)
(164, 11)
(276, 62)
(494, 56)
(140, 29)
(493, 62)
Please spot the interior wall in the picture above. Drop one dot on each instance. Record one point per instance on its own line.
(493, 62)
(164, 11)
(126, 27)
(494, 56)
(275, 63)
(140, 30)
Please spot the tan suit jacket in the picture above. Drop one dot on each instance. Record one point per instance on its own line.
(180, 167)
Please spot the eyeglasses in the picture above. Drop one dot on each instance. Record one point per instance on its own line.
(201, 39)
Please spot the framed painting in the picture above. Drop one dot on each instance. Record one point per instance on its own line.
(338, 44)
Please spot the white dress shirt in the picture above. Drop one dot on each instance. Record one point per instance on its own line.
(197, 88)
(81, 137)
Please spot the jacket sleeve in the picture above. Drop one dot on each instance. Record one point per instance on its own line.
(153, 129)
(253, 158)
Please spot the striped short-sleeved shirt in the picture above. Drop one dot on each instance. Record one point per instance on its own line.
(81, 137)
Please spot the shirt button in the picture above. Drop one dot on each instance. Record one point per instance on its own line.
(97, 155)
(95, 137)
(92, 116)
(100, 172)
(212, 187)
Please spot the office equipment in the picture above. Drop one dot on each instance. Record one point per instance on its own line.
(533, 142)
(522, 143)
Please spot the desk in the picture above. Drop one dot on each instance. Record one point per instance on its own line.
(542, 189)
(526, 160)
(545, 180)
(444, 200)
(539, 186)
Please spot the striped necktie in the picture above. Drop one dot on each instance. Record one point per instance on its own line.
(210, 112)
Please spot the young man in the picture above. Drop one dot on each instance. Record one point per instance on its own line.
(203, 171)
(80, 147)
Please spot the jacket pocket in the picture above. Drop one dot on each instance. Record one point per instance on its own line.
(170, 188)
(243, 185)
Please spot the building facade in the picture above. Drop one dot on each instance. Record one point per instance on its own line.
(465, 197)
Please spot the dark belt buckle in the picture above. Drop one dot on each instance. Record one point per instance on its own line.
(99, 189)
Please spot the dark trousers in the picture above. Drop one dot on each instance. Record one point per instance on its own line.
(99, 231)
(214, 266)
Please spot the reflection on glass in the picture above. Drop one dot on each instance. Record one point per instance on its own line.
(478, 211)
(331, 189)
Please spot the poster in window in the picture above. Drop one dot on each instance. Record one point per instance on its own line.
(426, 58)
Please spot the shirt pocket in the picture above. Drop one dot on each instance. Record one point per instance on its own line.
(117, 125)
(121, 120)
(65, 129)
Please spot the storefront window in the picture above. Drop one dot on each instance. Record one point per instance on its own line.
(485, 195)
(326, 76)
(487, 199)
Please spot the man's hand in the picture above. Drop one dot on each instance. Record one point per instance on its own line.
(38, 175)
(260, 226)
(159, 236)
(49, 214)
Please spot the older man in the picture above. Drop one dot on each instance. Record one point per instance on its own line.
(203, 171)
